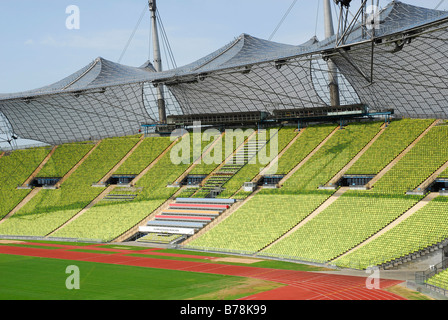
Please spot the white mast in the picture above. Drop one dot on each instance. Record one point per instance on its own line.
(157, 60)
(332, 74)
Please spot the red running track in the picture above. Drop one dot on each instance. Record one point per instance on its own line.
(299, 285)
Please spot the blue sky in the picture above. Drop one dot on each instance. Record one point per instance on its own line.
(38, 49)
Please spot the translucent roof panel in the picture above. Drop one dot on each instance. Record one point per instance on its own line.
(98, 74)
(103, 99)
(242, 76)
(68, 117)
(409, 67)
(262, 87)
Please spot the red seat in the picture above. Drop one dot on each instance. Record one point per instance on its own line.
(183, 218)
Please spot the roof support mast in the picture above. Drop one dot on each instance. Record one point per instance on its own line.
(333, 72)
(157, 60)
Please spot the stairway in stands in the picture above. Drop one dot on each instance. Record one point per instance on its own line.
(123, 194)
(213, 185)
(184, 218)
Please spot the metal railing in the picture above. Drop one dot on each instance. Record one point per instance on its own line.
(422, 276)
(438, 288)
(252, 254)
(6, 148)
(58, 239)
(438, 285)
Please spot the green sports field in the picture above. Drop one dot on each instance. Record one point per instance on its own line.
(29, 278)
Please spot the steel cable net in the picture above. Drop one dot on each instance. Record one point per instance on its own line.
(248, 74)
(150, 100)
(264, 87)
(6, 132)
(319, 73)
(406, 77)
(409, 70)
(412, 81)
(102, 100)
(62, 118)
